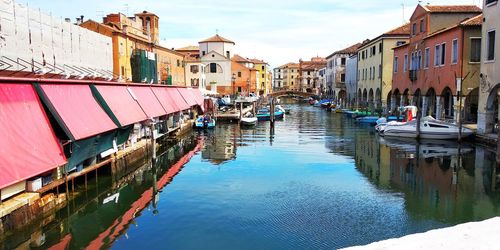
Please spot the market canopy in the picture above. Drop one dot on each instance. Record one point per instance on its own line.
(168, 103)
(176, 96)
(200, 100)
(188, 96)
(75, 109)
(148, 101)
(28, 146)
(119, 104)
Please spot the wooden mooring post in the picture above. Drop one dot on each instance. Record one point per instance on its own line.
(271, 112)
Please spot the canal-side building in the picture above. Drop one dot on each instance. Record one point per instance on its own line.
(441, 58)
(375, 58)
(37, 44)
(335, 72)
(289, 76)
(194, 69)
(308, 74)
(263, 86)
(246, 77)
(321, 76)
(215, 54)
(137, 53)
(351, 78)
(278, 79)
(490, 66)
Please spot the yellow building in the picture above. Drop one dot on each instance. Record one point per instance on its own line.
(264, 85)
(139, 33)
(375, 66)
(286, 77)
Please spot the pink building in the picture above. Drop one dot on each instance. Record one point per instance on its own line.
(441, 59)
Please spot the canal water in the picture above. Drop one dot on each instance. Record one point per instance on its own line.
(318, 181)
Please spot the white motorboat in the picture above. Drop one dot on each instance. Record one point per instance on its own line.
(249, 121)
(430, 128)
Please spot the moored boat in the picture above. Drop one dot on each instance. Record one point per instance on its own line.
(265, 114)
(430, 128)
(204, 122)
(249, 121)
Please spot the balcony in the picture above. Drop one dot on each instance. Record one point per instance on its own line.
(413, 75)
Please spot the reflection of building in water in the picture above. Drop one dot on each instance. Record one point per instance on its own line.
(220, 145)
(435, 181)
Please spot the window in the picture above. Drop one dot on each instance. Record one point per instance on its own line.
(379, 71)
(194, 69)
(475, 50)
(395, 64)
(228, 54)
(419, 59)
(443, 53)
(263, 67)
(342, 61)
(213, 68)
(203, 53)
(263, 76)
(405, 63)
(421, 25)
(370, 73)
(399, 43)
(380, 47)
(239, 73)
(490, 2)
(437, 55)
(427, 54)
(454, 51)
(342, 77)
(414, 29)
(490, 53)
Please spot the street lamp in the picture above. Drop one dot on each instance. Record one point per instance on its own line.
(234, 82)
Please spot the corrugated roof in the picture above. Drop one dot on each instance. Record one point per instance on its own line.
(217, 38)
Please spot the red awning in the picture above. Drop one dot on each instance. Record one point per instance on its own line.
(78, 110)
(28, 146)
(165, 100)
(148, 101)
(198, 97)
(188, 96)
(121, 103)
(178, 99)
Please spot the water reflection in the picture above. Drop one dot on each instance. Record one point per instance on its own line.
(318, 180)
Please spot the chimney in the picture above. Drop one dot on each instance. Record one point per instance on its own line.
(67, 19)
(81, 19)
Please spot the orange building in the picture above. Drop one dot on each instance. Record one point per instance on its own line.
(244, 75)
(139, 35)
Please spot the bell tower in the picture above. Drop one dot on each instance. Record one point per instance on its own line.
(150, 25)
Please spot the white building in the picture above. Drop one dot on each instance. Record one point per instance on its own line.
(351, 81)
(215, 54)
(335, 72)
(489, 89)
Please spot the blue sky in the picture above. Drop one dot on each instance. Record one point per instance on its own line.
(276, 31)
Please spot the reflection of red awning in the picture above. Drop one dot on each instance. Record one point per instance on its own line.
(148, 101)
(121, 224)
(178, 99)
(77, 109)
(121, 103)
(165, 99)
(28, 146)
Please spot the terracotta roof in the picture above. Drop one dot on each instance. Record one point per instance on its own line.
(474, 21)
(190, 47)
(257, 61)
(470, 22)
(452, 8)
(238, 58)
(401, 30)
(290, 65)
(349, 50)
(217, 38)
